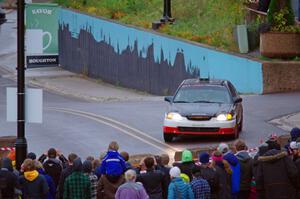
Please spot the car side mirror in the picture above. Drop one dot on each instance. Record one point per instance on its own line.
(169, 98)
(238, 100)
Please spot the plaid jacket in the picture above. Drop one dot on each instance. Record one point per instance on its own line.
(94, 181)
(77, 186)
(200, 188)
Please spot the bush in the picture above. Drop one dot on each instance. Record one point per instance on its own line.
(281, 13)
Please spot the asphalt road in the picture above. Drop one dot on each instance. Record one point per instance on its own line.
(86, 128)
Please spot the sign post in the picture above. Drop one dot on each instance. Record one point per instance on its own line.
(41, 34)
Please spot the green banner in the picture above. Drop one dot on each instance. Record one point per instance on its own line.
(41, 33)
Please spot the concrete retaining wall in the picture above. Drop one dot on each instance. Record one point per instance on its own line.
(145, 60)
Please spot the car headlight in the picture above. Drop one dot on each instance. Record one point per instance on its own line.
(173, 116)
(224, 117)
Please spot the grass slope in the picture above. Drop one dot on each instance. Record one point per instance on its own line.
(210, 22)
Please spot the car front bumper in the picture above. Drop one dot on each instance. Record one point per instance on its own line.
(189, 127)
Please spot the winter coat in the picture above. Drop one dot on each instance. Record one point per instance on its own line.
(246, 163)
(131, 190)
(211, 176)
(53, 167)
(107, 188)
(236, 172)
(179, 190)
(33, 185)
(112, 164)
(155, 183)
(64, 174)
(276, 175)
(186, 168)
(224, 172)
(297, 163)
(8, 178)
(50, 182)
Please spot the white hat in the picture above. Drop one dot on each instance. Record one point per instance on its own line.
(223, 147)
(175, 172)
(293, 145)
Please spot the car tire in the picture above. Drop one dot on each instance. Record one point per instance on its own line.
(240, 126)
(168, 137)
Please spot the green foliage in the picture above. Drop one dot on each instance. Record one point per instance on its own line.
(281, 23)
(281, 10)
(206, 21)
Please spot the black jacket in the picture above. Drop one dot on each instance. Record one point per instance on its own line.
(64, 174)
(37, 189)
(211, 176)
(246, 163)
(155, 183)
(8, 180)
(186, 168)
(224, 181)
(276, 175)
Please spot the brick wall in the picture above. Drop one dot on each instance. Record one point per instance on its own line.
(281, 77)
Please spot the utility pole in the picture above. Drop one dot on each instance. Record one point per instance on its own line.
(21, 143)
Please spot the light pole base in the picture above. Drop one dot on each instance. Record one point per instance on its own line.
(21, 151)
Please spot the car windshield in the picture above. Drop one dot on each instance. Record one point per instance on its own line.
(202, 94)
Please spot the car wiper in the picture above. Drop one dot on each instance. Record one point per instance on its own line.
(180, 101)
(203, 101)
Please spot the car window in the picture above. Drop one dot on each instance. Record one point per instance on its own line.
(232, 89)
(202, 94)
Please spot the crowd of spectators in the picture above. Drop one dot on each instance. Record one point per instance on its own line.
(229, 172)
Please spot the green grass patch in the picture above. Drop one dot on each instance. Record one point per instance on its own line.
(210, 22)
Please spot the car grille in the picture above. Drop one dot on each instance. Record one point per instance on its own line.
(198, 117)
(198, 129)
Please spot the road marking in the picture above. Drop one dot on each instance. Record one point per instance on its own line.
(135, 133)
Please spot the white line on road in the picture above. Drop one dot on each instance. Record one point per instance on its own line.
(117, 125)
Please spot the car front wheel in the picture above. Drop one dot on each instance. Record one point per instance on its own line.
(168, 137)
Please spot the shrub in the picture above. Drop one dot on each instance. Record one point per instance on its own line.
(281, 13)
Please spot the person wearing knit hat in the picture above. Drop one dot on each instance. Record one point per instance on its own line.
(224, 172)
(223, 148)
(204, 158)
(178, 188)
(187, 163)
(295, 133)
(31, 155)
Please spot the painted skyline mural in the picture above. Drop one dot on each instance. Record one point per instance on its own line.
(144, 60)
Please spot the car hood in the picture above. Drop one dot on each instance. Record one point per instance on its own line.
(209, 109)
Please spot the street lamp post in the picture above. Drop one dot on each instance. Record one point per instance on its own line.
(167, 16)
(21, 143)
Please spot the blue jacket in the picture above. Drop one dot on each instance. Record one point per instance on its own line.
(236, 171)
(112, 164)
(50, 182)
(179, 189)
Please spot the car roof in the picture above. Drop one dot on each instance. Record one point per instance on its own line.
(200, 81)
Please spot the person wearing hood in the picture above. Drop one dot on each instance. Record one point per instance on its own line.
(187, 164)
(235, 167)
(87, 170)
(294, 135)
(224, 173)
(9, 178)
(50, 182)
(77, 185)
(178, 188)
(33, 185)
(246, 163)
(276, 175)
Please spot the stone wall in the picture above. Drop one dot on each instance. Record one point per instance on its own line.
(281, 77)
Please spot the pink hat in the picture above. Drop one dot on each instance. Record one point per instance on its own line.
(217, 156)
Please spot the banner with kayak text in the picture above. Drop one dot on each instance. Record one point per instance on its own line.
(41, 37)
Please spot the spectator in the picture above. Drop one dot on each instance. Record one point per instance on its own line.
(90, 158)
(178, 188)
(224, 172)
(125, 156)
(295, 133)
(8, 178)
(64, 174)
(209, 173)
(187, 163)
(107, 187)
(77, 185)
(51, 185)
(154, 181)
(276, 175)
(95, 164)
(113, 164)
(235, 167)
(165, 168)
(87, 170)
(31, 155)
(246, 163)
(53, 166)
(199, 185)
(33, 185)
(297, 163)
(131, 189)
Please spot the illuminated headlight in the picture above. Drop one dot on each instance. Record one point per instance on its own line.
(224, 117)
(173, 116)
